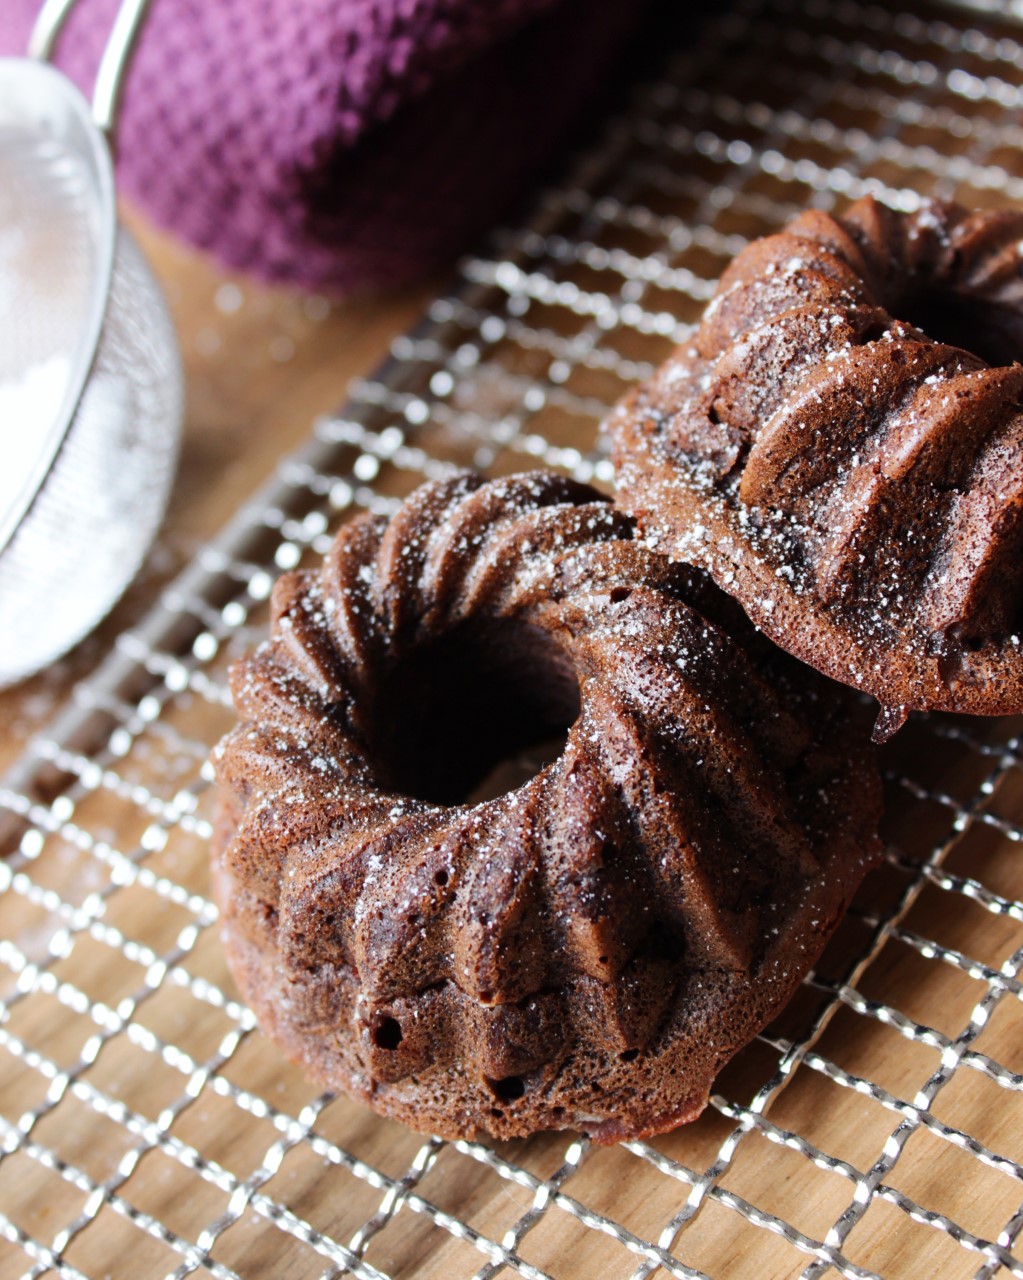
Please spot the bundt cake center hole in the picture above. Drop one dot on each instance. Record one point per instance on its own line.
(992, 332)
(473, 714)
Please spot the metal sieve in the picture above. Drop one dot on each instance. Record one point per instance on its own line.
(90, 377)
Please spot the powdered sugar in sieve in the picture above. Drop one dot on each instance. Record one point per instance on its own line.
(90, 379)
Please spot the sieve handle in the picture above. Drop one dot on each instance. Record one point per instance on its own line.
(116, 53)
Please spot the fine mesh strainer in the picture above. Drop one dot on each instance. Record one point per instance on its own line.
(90, 376)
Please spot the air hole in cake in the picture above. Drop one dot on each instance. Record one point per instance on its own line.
(473, 714)
(977, 325)
(387, 1034)
(629, 1055)
(509, 1089)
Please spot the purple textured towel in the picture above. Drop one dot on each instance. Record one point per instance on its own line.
(340, 144)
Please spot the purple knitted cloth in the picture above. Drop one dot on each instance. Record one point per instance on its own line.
(340, 144)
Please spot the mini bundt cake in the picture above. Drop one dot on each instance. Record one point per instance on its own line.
(853, 479)
(584, 951)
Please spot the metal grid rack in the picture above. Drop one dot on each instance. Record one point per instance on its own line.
(877, 1129)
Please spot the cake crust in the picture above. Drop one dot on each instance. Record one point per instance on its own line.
(854, 480)
(587, 949)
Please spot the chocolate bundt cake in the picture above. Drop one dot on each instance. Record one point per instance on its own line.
(584, 951)
(855, 479)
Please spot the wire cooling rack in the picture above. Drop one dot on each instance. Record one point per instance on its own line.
(147, 1129)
